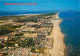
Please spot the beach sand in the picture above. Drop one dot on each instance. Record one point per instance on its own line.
(58, 37)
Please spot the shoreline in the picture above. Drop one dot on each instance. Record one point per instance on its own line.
(28, 14)
(58, 37)
(22, 15)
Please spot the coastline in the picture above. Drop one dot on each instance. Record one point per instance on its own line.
(58, 37)
(29, 14)
(22, 15)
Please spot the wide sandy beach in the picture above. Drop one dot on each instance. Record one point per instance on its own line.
(58, 37)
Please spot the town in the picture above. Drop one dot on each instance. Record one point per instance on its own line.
(25, 35)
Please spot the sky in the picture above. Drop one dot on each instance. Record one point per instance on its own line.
(42, 5)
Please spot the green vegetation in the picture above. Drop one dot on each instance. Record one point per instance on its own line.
(11, 41)
(24, 43)
(37, 50)
(37, 26)
(48, 14)
(23, 19)
(4, 54)
(28, 42)
(31, 19)
(19, 34)
(6, 29)
(9, 44)
(1, 46)
(14, 39)
(18, 26)
(33, 50)
(10, 17)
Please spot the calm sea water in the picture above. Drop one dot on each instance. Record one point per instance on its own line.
(70, 26)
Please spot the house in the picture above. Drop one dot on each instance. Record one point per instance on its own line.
(28, 29)
(30, 35)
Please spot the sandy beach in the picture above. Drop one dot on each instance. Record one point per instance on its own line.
(58, 37)
(29, 14)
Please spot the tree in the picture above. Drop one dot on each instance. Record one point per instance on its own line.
(1, 46)
(28, 42)
(19, 34)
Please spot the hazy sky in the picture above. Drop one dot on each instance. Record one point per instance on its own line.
(42, 5)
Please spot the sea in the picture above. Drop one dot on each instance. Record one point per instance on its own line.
(70, 27)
